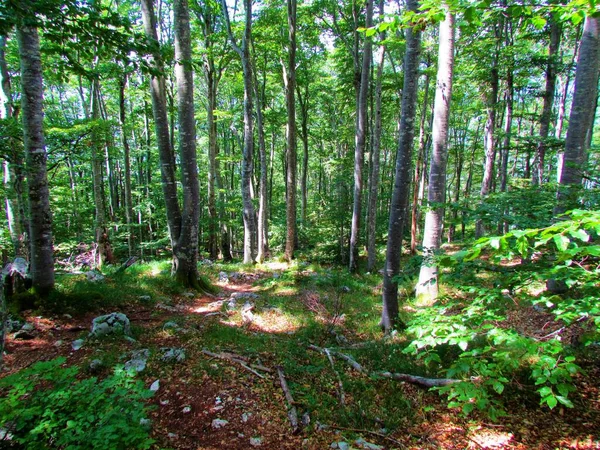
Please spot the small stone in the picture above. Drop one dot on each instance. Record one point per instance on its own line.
(111, 323)
(130, 339)
(145, 298)
(189, 295)
(164, 402)
(58, 343)
(76, 345)
(146, 423)
(256, 441)
(367, 445)
(170, 326)
(187, 410)
(155, 386)
(172, 354)
(246, 417)
(23, 335)
(138, 360)
(96, 365)
(345, 289)
(556, 286)
(13, 325)
(172, 436)
(223, 277)
(28, 327)
(219, 423)
(67, 316)
(94, 276)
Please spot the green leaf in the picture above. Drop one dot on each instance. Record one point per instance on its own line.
(498, 387)
(562, 242)
(538, 21)
(565, 401)
(545, 391)
(550, 401)
(463, 345)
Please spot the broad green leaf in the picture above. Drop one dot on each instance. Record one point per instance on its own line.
(562, 242)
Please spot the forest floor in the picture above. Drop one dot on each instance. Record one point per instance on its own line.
(237, 401)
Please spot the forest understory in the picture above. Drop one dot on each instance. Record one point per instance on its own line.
(226, 392)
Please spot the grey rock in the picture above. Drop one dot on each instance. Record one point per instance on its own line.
(145, 298)
(246, 417)
(110, 324)
(171, 355)
(155, 386)
(341, 445)
(23, 335)
(67, 316)
(96, 365)
(13, 325)
(219, 423)
(28, 327)
(170, 325)
(166, 307)
(58, 343)
(345, 289)
(186, 409)
(223, 277)
(94, 276)
(130, 339)
(361, 443)
(77, 344)
(146, 423)
(138, 360)
(277, 275)
(189, 295)
(172, 436)
(256, 441)
(556, 286)
(206, 262)
(244, 296)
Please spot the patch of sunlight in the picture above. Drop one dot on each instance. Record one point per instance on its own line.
(485, 438)
(276, 265)
(272, 321)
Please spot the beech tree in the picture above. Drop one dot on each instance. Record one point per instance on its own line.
(428, 286)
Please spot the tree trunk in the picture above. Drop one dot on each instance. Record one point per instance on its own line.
(40, 216)
(389, 318)
(555, 34)
(360, 139)
(427, 289)
(13, 164)
(580, 119)
(303, 100)
(127, 161)
(375, 160)
(290, 90)
(103, 252)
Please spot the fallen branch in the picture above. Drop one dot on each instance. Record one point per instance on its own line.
(339, 378)
(422, 381)
(241, 361)
(356, 366)
(130, 262)
(291, 409)
(560, 330)
(373, 433)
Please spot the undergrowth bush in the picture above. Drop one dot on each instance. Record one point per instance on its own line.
(48, 406)
(489, 351)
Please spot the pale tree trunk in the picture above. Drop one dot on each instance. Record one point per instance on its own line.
(303, 99)
(360, 140)
(40, 216)
(127, 162)
(399, 205)
(249, 214)
(489, 137)
(555, 34)
(263, 238)
(375, 160)
(427, 289)
(291, 159)
(418, 173)
(103, 252)
(13, 164)
(508, 116)
(185, 249)
(582, 114)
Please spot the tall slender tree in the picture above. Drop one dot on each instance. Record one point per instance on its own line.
(428, 286)
(399, 204)
(360, 141)
(40, 216)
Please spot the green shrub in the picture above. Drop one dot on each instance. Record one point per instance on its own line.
(47, 406)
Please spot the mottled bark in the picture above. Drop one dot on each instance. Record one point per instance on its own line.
(582, 114)
(360, 142)
(127, 161)
(291, 158)
(40, 217)
(185, 249)
(399, 205)
(375, 159)
(548, 98)
(427, 289)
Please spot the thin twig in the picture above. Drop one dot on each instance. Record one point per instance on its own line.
(291, 409)
(241, 361)
(427, 382)
(339, 378)
(374, 433)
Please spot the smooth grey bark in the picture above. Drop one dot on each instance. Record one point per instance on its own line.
(399, 204)
(548, 98)
(291, 157)
(582, 114)
(419, 172)
(375, 158)
(508, 114)
(185, 249)
(360, 142)
(103, 252)
(249, 214)
(303, 100)
(13, 164)
(427, 288)
(127, 162)
(40, 216)
(489, 138)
